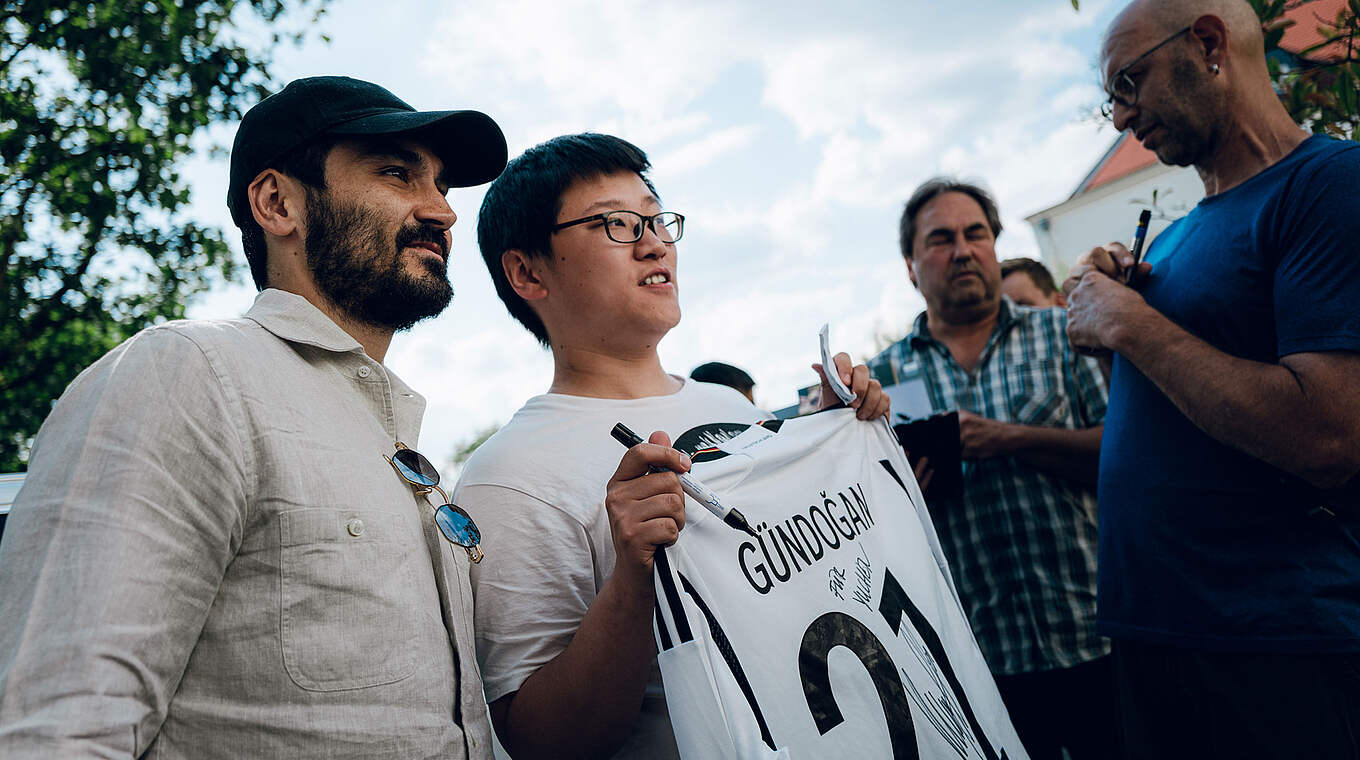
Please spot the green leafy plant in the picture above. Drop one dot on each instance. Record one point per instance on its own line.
(100, 102)
(1320, 85)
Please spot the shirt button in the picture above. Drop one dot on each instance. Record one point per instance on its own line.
(355, 527)
(365, 372)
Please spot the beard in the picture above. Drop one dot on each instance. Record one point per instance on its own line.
(966, 305)
(357, 264)
(1187, 137)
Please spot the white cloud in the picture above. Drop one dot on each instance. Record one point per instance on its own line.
(623, 55)
(703, 151)
(790, 137)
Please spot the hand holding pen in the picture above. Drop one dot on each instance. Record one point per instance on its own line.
(1122, 264)
(690, 484)
(645, 508)
(1102, 291)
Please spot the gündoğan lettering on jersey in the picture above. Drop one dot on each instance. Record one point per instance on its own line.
(835, 631)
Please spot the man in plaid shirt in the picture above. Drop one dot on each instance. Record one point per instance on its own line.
(1022, 538)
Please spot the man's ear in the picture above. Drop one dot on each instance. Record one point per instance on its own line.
(1058, 299)
(911, 271)
(1212, 35)
(522, 272)
(276, 201)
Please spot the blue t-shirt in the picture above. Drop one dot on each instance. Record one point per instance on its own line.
(1202, 545)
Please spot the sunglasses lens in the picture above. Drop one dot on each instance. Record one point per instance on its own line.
(415, 467)
(457, 526)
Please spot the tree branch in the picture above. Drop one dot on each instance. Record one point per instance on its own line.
(11, 241)
(46, 316)
(4, 65)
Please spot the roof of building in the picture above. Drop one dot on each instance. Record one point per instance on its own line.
(1124, 157)
(1306, 21)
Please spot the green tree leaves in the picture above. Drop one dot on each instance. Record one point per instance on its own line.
(1320, 84)
(98, 102)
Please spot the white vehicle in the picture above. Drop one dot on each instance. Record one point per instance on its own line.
(9, 488)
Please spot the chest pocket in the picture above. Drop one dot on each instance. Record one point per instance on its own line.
(348, 605)
(1034, 394)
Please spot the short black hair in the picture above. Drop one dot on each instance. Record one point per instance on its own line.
(934, 188)
(723, 374)
(306, 164)
(522, 205)
(1038, 273)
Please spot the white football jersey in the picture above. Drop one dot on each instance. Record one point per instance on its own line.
(836, 630)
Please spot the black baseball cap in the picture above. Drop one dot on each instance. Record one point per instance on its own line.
(469, 143)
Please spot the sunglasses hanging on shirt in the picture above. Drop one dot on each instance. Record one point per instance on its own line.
(456, 524)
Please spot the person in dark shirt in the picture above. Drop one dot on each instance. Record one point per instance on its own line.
(725, 374)
(1229, 563)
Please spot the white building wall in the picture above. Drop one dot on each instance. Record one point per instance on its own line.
(1110, 212)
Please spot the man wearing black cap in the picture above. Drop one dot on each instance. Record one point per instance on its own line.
(219, 551)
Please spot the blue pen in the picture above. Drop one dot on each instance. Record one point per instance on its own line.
(1139, 236)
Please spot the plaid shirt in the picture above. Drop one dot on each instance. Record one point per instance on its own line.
(1022, 542)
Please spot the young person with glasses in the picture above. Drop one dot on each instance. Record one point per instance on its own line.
(211, 556)
(585, 256)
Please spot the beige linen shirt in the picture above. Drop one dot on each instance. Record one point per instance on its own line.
(210, 558)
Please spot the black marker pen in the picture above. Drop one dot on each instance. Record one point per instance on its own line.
(1139, 236)
(691, 485)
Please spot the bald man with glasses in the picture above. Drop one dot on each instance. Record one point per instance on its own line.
(1229, 561)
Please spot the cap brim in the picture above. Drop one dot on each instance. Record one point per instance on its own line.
(469, 143)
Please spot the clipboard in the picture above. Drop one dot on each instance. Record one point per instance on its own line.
(937, 438)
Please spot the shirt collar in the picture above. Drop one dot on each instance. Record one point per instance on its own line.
(1005, 317)
(919, 332)
(294, 319)
(1006, 314)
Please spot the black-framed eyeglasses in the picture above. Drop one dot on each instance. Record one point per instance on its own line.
(456, 525)
(1122, 89)
(627, 226)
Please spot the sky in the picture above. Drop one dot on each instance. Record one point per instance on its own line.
(790, 136)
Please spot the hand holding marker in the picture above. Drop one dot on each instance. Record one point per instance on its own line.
(691, 485)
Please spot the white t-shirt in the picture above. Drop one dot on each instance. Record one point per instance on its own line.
(536, 489)
(834, 633)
